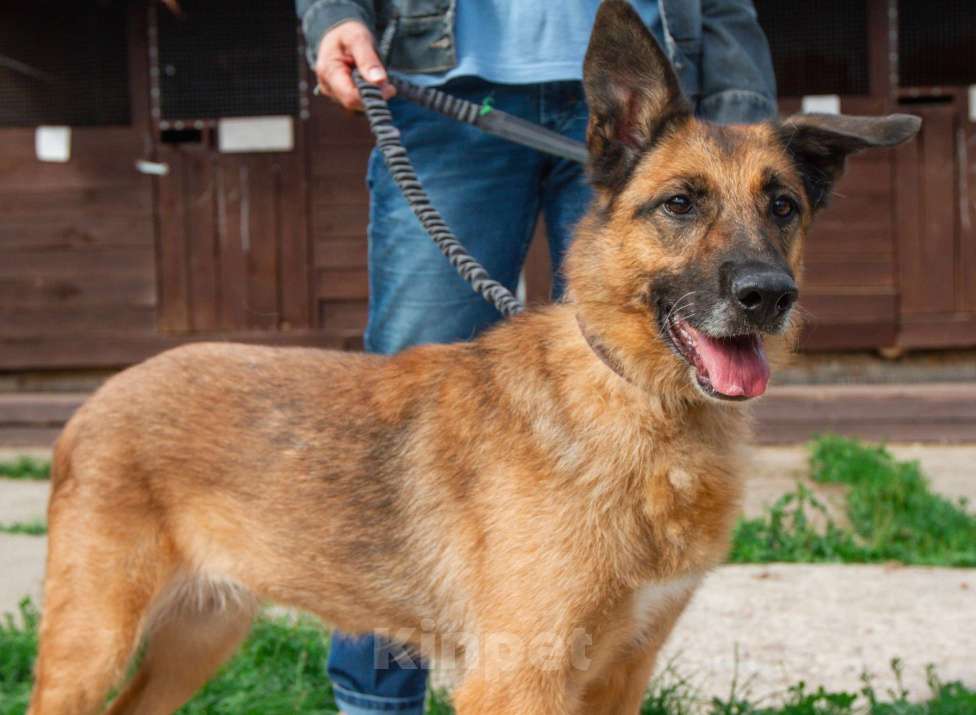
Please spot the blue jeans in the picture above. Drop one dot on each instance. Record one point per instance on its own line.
(490, 192)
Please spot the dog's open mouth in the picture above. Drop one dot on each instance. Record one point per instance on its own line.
(730, 368)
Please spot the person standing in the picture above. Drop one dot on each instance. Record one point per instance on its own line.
(525, 58)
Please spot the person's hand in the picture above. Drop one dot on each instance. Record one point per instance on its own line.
(344, 47)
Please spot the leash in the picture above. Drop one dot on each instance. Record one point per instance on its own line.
(401, 169)
(493, 121)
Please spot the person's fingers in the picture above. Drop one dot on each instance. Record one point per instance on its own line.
(338, 81)
(322, 86)
(367, 61)
(344, 47)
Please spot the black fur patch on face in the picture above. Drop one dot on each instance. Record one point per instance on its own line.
(692, 290)
(722, 137)
(819, 160)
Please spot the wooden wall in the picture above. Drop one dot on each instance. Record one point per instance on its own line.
(77, 248)
(101, 266)
(78, 283)
(339, 145)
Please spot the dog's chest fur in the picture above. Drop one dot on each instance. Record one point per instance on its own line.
(671, 512)
(656, 598)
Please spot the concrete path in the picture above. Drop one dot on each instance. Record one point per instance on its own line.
(771, 626)
(23, 500)
(21, 569)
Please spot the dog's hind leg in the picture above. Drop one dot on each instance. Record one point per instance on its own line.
(102, 576)
(198, 627)
(87, 636)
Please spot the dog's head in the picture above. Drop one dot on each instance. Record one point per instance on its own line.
(687, 267)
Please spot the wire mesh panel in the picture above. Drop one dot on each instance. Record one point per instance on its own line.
(936, 42)
(63, 63)
(818, 46)
(219, 58)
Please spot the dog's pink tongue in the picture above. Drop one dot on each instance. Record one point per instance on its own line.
(736, 367)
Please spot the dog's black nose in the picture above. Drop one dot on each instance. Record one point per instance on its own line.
(764, 293)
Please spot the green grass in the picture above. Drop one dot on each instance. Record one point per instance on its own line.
(18, 643)
(30, 528)
(25, 468)
(892, 512)
(281, 670)
(671, 695)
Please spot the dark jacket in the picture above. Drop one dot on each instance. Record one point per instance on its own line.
(716, 46)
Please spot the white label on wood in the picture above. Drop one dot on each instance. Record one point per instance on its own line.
(253, 134)
(152, 168)
(53, 143)
(972, 102)
(821, 104)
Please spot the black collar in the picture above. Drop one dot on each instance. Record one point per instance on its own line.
(601, 352)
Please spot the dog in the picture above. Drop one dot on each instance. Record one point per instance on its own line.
(541, 501)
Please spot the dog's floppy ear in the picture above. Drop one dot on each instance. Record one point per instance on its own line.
(820, 143)
(632, 92)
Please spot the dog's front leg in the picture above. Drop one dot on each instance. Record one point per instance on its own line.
(620, 687)
(620, 691)
(526, 692)
(513, 672)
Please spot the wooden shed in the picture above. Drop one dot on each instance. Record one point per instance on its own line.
(163, 225)
(892, 263)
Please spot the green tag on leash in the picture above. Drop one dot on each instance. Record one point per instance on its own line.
(486, 106)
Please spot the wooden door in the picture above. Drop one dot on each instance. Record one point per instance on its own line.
(936, 235)
(235, 255)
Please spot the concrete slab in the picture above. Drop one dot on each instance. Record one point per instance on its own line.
(21, 569)
(23, 500)
(951, 469)
(772, 626)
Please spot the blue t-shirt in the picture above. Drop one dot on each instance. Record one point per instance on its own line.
(526, 41)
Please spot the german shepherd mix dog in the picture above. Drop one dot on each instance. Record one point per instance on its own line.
(541, 501)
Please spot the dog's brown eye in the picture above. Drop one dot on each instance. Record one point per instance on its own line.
(678, 205)
(783, 207)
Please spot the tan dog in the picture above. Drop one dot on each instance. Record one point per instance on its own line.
(541, 501)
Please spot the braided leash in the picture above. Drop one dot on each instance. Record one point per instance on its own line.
(437, 101)
(399, 166)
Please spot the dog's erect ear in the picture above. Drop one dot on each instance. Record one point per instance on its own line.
(632, 92)
(820, 143)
